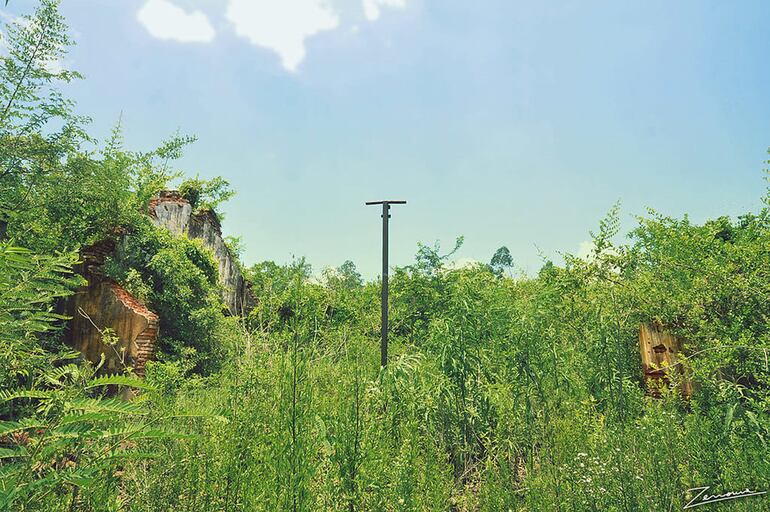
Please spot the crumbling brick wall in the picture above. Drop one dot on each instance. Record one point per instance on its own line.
(659, 350)
(104, 304)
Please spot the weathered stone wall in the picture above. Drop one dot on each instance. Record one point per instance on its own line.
(169, 210)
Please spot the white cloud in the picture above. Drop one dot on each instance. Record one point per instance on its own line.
(164, 20)
(461, 263)
(282, 25)
(372, 8)
(586, 250)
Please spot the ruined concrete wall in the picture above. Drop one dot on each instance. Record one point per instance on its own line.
(104, 304)
(169, 210)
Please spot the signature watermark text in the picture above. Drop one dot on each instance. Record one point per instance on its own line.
(702, 498)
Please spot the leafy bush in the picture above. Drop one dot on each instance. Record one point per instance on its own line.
(61, 441)
(206, 194)
(72, 448)
(179, 279)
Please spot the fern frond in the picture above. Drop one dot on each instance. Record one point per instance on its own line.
(7, 395)
(163, 434)
(8, 470)
(143, 433)
(56, 375)
(79, 478)
(119, 380)
(72, 354)
(109, 405)
(13, 453)
(88, 417)
(133, 456)
(9, 427)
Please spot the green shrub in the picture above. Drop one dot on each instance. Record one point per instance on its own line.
(178, 278)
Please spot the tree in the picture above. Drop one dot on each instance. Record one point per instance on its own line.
(37, 124)
(429, 261)
(345, 276)
(501, 261)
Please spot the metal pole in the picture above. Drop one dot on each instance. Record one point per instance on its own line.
(384, 297)
(384, 328)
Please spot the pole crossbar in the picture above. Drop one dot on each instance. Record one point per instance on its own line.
(384, 298)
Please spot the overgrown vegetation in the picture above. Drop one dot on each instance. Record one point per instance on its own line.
(503, 392)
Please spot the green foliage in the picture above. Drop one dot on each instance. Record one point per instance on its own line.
(501, 261)
(345, 276)
(177, 277)
(429, 261)
(150, 171)
(30, 285)
(54, 193)
(502, 393)
(70, 447)
(37, 125)
(206, 194)
(235, 246)
(62, 440)
(274, 285)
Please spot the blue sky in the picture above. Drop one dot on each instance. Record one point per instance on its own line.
(512, 123)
